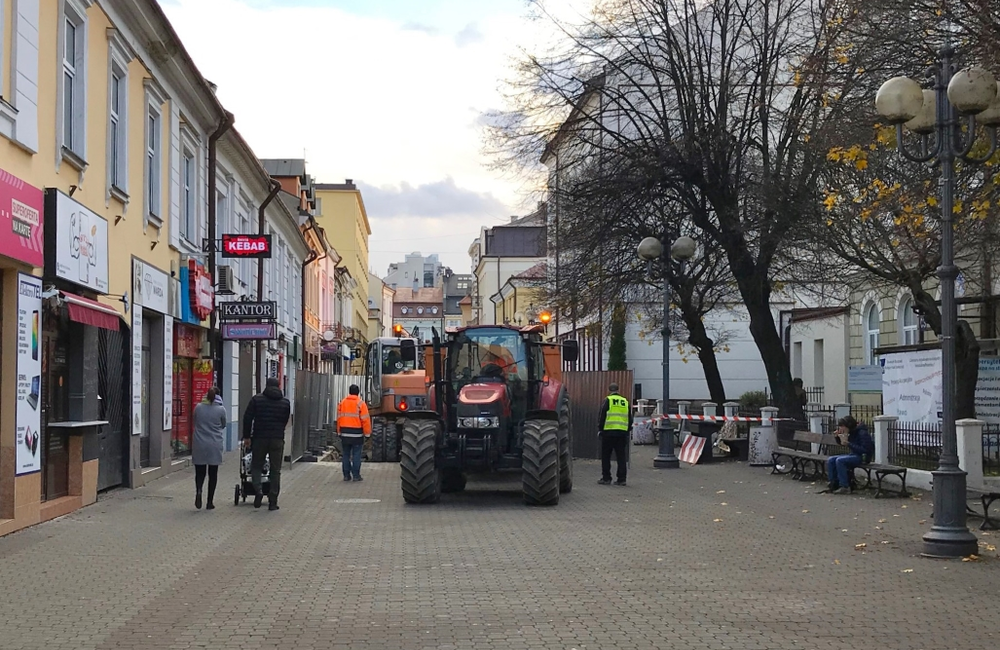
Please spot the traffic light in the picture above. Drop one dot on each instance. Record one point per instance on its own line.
(397, 329)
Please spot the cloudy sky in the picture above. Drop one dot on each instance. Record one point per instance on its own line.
(389, 93)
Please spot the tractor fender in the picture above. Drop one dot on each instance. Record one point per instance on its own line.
(542, 414)
(550, 395)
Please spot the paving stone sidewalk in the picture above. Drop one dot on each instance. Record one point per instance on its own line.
(708, 557)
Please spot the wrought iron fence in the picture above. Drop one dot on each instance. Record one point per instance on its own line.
(866, 414)
(991, 450)
(915, 445)
(815, 394)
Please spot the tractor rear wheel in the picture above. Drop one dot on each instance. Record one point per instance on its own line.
(420, 477)
(540, 463)
(392, 441)
(565, 447)
(452, 480)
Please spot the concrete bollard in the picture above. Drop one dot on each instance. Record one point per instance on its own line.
(817, 422)
(970, 451)
(882, 424)
(764, 438)
(731, 409)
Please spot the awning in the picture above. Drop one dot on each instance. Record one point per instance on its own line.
(90, 312)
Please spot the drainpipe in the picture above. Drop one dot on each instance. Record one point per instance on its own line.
(214, 344)
(261, 229)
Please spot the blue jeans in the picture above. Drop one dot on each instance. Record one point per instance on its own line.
(352, 459)
(840, 468)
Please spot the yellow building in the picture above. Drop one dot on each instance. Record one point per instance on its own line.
(521, 299)
(116, 137)
(341, 211)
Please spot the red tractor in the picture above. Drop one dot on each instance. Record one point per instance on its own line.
(497, 403)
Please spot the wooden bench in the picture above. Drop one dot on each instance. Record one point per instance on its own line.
(801, 460)
(986, 499)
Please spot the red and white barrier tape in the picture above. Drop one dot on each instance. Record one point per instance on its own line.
(715, 418)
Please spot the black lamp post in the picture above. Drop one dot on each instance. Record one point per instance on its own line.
(938, 116)
(682, 250)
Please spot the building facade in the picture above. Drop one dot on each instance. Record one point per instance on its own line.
(500, 253)
(419, 312)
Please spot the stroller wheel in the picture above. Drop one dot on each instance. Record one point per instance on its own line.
(236, 501)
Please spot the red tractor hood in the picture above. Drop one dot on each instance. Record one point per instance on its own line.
(482, 393)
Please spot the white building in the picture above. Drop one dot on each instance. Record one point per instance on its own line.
(500, 253)
(243, 185)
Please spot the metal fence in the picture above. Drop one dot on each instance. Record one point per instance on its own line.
(316, 399)
(915, 445)
(866, 414)
(991, 450)
(587, 391)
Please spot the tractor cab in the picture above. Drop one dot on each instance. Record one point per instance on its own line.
(392, 384)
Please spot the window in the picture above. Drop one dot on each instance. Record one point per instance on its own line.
(117, 149)
(153, 165)
(871, 325)
(189, 189)
(74, 99)
(907, 323)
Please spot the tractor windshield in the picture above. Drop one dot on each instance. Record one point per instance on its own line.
(392, 361)
(487, 354)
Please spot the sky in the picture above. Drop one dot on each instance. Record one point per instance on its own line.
(389, 93)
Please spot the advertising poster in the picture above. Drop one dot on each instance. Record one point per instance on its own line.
(168, 373)
(988, 390)
(911, 386)
(201, 379)
(81, 244)
(183, 401)
(136, 370)
(28, 413)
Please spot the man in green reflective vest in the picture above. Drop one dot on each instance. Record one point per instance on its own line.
(616, 422)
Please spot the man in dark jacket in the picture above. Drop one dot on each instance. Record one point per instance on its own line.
(859, 441)
(264, 424)
(615, 422)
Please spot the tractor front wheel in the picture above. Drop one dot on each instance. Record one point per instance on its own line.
(421, 480)
(540, 463)
(565, 447)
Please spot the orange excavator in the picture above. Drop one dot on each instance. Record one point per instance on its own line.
(392, 388)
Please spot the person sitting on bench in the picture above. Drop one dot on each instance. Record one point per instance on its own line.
(840, 468)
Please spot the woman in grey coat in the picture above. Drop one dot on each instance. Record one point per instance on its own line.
(209, 431)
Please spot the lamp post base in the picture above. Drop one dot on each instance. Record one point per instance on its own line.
(666, 461)
(950, 537)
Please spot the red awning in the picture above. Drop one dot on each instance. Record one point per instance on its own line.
(90, 312)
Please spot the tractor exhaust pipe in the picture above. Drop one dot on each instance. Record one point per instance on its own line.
(439, 382)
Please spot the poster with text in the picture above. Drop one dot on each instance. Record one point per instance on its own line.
(136, 370)
(988, 390)
(201, 379)
(28, 412)
(168, 373)
(911, 385)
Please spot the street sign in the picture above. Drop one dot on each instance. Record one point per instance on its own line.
(246, 246)
(249, 331)
(241, 311)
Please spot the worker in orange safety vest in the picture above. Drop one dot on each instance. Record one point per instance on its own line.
(353, 426)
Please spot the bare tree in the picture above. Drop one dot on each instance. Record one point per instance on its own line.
(727, 104)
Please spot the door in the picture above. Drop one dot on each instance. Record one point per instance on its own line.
(373, 374)
(114, 371)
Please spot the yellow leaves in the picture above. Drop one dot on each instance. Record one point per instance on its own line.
(861, 164)
(932, 201)
(797, 78)
(980, 210)
(831, 200)
(957, 208)
(829, 222)
(865, 214)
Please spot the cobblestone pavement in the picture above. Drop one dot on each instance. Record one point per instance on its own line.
(711, 557)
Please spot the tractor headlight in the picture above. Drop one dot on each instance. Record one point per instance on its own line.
(467, 423)
(488, 423)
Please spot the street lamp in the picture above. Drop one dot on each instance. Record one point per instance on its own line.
(682, 250)
(954, 102)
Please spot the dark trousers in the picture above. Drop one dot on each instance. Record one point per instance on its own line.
(619, 445)
(271, 449)
(213, 479)
(352, 457)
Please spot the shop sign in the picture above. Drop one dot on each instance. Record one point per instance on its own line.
(150, 287)
(249, 331)
(28, 418)
(136, 371)
(245, 310)
(21, 207)
(78, 244)
(187, 342)
(246, 246)
(168, 373)
(202, 290)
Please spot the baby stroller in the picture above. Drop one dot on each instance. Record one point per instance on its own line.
(245, 488)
